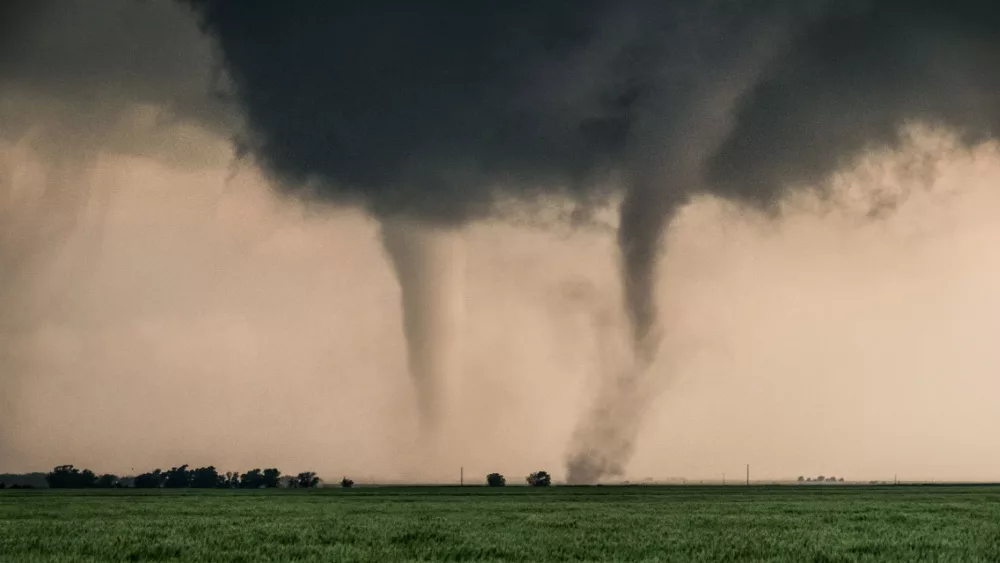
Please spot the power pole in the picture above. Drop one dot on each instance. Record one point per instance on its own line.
(723, 479)
(748, 474)
(461, 476)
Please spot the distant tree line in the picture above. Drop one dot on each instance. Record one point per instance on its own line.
(22, 480)
(69, 477)
(184, 477)
(820, 479)
(3, 485)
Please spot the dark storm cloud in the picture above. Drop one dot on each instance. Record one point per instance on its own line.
(428, 107)
(851, 82)
(75, 66)
(433, 108)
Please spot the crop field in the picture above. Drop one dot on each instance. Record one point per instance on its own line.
(639, 523)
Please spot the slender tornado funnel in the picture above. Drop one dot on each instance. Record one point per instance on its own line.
(428, 266)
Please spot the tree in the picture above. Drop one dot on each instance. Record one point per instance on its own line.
(346, 483)
(821, 479)
(69, 477)
(495, 480)
(305, 480)
(205, 478)
(539, 479)
(841, 480)
(801, 479)
(177, 478)
(831, 479)
(269, 480)
(231, 480)
(106, 481)
(153, 480)
(252, 479)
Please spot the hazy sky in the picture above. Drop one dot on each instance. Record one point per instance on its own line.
(163, 304)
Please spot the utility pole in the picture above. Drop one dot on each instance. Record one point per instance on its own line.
(723, 479)
(461, 476)
(748, 474)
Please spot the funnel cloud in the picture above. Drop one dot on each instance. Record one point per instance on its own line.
(427, 265)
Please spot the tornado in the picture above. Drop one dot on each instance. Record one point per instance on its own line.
(428, 264)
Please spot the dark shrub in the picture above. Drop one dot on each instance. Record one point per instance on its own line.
(539, 479)
(177, 478)
(305, 480)
(270, 478)
(206, 478)
(106, 481)
(152, 480)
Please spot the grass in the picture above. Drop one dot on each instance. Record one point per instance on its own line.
(791, 523)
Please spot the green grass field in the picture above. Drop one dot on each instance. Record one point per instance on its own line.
(792, 523)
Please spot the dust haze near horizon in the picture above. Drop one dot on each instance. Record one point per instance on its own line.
(222, 324)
